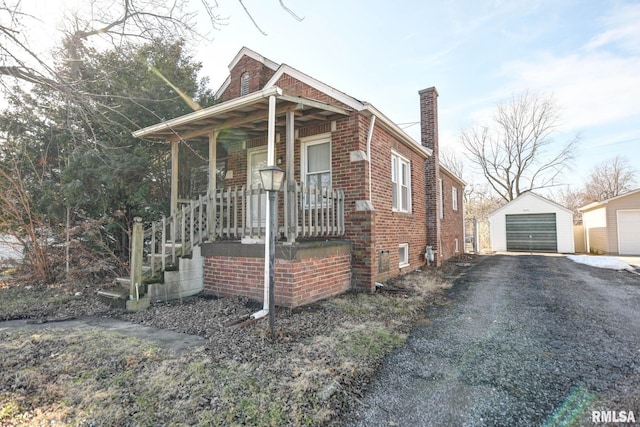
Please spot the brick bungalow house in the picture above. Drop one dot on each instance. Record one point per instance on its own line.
(363, 202)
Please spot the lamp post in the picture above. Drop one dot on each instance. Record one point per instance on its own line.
(272, 177)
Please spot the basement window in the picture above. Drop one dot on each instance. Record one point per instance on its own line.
(403, 255)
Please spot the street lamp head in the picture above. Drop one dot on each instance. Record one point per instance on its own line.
(272, 177)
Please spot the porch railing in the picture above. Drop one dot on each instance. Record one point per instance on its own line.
(318, 212)
(171, 237)
(239, 212)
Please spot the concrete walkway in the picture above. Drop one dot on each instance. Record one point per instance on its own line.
(631, 260)
(171, 340)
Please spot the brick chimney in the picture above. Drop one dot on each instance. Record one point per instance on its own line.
(429, 138)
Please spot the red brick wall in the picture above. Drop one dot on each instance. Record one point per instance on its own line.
(259, 75)
(370, 231)
(429, 138)
(293, 86)
(297, 282)
(452, 224)
(353, 178)
(393, 228)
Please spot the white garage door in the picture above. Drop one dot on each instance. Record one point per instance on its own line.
(629, 232)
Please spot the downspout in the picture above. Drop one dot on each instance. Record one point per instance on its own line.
(369, 138)
(271, 154)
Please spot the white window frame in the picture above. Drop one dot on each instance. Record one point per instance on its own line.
(403, 262)
(457, 246)
(441, 198)
(454, 198)
(310, 141)
(397, 163)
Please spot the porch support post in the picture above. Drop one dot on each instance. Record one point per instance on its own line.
(290, 195)
(175, 145)
(213, 172)
(271, 154)
(271, 132)
(137, 242)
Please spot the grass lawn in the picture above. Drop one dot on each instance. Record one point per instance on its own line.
(321, 360)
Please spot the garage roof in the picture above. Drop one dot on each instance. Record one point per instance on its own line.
(595, 205)
(531, 194)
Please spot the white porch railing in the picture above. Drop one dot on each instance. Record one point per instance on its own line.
(171, 237)
(240, 213)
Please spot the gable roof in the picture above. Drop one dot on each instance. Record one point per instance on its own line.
(529, 194)
(245, 51)
(601, 203)
(351, 102)
(316, 84)
(444, 169)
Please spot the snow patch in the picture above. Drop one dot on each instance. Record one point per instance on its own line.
(609, 262)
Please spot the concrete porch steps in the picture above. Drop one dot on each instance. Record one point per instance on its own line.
(181, 280)
(116, 298)
(119, 297)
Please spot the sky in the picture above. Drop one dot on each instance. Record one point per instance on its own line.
(586, 54)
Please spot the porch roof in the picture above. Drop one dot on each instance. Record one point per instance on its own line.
(248, 114)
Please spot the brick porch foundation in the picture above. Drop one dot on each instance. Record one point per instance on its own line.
(304, 272)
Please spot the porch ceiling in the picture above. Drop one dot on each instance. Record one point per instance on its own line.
(247, 115)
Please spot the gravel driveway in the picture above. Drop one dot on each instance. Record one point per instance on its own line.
(527, 340)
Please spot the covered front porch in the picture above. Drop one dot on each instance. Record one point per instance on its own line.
(240, 137)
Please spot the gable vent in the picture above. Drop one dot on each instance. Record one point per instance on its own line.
(244, 84)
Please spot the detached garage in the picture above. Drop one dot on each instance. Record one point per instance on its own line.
(613, 225)
(531, 223)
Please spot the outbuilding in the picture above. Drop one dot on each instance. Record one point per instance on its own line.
(532, 223)
(612, 226)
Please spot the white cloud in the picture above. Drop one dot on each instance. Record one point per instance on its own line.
(623, 30)
(592, 89)
(596, 85)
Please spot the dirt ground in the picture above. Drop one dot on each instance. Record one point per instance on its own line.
(319, 360)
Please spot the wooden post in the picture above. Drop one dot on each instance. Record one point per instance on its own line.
(213, 171)
(175, 148)
(290, 188)
(137, 240)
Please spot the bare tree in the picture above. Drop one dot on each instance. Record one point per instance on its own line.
(609, 179)
(479, 203)
(571, 198)
(18, 219)
(114, 22)
(450, 160)
(516, 152)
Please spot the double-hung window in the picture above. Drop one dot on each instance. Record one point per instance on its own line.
(440, 198)
(316, 164)
(454, 198)
(401, 183)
